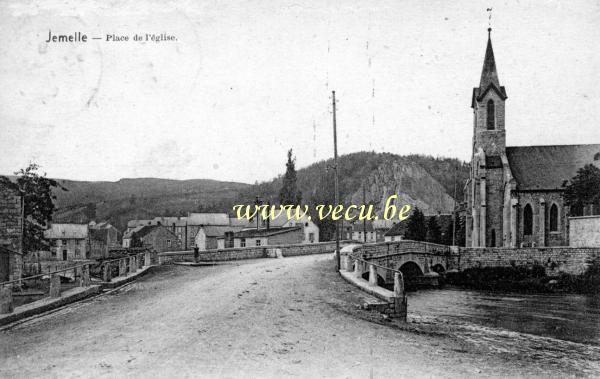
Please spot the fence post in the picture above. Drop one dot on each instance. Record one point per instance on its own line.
(106, 272)
(54, 285)
(122, 267)
(357, 270)
(6, 300)
(196, 254)
(132, 268)
(372, 275)
(400, 305)
(85, 276)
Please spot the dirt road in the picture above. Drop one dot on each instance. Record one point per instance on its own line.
(289, 317)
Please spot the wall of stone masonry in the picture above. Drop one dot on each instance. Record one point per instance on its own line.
(233, 254)
(11, 229)
(556, 260)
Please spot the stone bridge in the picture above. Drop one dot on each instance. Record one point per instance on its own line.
(419, 262)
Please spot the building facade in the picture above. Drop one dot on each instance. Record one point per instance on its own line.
(11, 234)
(102, 238)
(514, 195)
(68, 242)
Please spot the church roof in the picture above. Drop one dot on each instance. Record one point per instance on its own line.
(549, 167)
(489, 76)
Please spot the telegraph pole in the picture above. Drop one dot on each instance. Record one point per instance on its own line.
(364, 221)
(337, 194)
(454, 210)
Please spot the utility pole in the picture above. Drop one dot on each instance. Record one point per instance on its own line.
(364, 221)
(454, 210)
(337, 194)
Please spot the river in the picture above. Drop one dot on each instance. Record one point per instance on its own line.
(568, 317)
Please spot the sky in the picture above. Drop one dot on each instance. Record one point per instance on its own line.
(247, 80)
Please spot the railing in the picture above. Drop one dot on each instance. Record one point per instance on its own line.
(41, 285)
(31, 288)
(397, 297)
(125, 265)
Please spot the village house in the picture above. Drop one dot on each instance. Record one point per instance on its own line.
(11, 234)
(68, 242)
(267, 237)
(185, 228)
(102, 238)
(157, 237)
(514, 194)
(310, 229)
(206, 238)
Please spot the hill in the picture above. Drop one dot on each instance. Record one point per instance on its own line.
(127, 199)
(424, 181)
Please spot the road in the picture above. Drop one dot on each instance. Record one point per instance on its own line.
(291, 317)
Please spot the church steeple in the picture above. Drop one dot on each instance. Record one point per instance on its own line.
(489, 73)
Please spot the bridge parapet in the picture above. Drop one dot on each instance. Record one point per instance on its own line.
(353, 271)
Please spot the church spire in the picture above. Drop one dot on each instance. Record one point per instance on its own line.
(489, 74)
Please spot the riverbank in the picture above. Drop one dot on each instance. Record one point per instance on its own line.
(526, 279)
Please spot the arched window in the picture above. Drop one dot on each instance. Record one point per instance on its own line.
(527, 220)
(491, 115)
(553, 218)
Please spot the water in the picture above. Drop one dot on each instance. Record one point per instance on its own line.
(574, 318)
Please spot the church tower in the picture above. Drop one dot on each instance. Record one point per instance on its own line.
(485, 195)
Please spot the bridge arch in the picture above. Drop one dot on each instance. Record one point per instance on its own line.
(411, 270)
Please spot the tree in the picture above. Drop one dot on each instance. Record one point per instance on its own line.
(584, 190)
(38, 203)
(416, 229)
(434, 232)
(289, 193)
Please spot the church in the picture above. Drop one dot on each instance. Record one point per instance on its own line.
(514, 195)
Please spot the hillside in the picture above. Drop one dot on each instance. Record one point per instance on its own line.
(128, 199)
(423, 181)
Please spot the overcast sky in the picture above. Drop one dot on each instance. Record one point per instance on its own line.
(247, 80)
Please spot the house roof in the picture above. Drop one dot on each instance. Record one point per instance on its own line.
(219, 231)
(233, 221)
(101, 225)
(549, 167)
(67, 231)
(147, 229)
(169, 221)
(208, 219)
(264, 232)
(135, 223)
(134, 230)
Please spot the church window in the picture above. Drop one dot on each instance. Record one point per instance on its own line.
(527, 220)
(553, 218)
(491, 115)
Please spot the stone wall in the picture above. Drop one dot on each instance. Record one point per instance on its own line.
(555, 259)
(11, 229)
(238, 253)
(584, 231)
